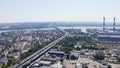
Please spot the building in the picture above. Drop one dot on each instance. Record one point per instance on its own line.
(3, 60)
(45, 63)
(109, 34)
(57, 53)
(57, 65)
(115, 37)
(45, 58)
(78, 65)
(104, 64)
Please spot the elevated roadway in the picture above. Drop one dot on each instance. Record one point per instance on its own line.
(39, 53)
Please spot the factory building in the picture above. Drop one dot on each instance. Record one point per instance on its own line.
(109, 35)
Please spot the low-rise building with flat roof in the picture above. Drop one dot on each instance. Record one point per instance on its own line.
(57, 53)
(45, 63)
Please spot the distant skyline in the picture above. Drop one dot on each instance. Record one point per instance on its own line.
(59, 10)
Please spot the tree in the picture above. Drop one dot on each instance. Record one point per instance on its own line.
(119, 59)
(4, 66)
(78, 48)
(67, 56)
(11, 60)
(53, 56)
(73, 57)
(109, 66)
(61, 60)
(99, 57)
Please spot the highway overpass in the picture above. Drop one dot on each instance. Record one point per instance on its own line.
(39, 53)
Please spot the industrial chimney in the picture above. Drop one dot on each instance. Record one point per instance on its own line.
(103, 23)
(114, 24)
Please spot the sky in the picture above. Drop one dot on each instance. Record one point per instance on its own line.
(59, 10)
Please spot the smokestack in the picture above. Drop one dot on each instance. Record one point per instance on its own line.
(103, 23)
(114, 24)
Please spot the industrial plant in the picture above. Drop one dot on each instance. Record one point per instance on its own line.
(109, 34)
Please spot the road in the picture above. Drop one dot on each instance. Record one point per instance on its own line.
(39, 53)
